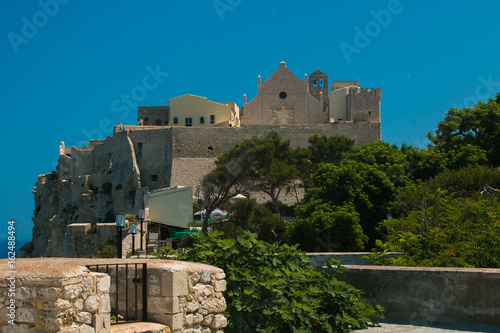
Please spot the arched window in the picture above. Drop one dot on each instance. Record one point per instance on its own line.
(321, 83)
(315, 82)
(202, 120)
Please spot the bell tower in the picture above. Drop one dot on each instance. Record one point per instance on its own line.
(318, 82)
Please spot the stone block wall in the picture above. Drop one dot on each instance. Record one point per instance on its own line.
(77, 302)
(189, 300)
(62, 295)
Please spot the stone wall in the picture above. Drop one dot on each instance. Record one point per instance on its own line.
(153, 115)
(52, 297)
(212, 142)
(62, 295)
(363, 104)
(423, 296)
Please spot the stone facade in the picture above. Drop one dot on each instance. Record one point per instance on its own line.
(283, 99)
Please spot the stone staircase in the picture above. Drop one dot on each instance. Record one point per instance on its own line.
(140, 327)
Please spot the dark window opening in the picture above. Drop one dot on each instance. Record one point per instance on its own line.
(369, 113)
(154, 178)
(139, 149)
(189, 122)
(283, 94)
(176, 120)
(202, 120)
(210, 148)
(212, 119)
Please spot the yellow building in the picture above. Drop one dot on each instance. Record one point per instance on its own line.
(196, 111)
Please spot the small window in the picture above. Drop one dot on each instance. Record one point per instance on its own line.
(283, 94)
(154, 178)
(321, 83)
(139, 149)
(189, 122)
(176, 120)
(315, 83)
(212, 119)
(202, 120)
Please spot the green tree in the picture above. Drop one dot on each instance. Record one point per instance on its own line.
(450, 220)
(325, 228)
(349, 187)
(329, 149)
(385, 157)
(423, 164)
(470, 132)
(229, 178)
(273, 288)
(275, 167)
(248, 215)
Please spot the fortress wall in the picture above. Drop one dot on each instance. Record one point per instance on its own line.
(195, 149)
(363, 104)
(154, 157)
(82, 161)
(212, 142)
(431, 295)
(188, 171)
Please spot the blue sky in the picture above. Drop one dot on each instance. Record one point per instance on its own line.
(67, 67)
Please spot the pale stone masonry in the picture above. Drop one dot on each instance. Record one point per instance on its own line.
(62, 295)
(52, 297)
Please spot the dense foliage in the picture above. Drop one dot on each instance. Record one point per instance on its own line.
(248, 215)
(273, 288)
(450, 220)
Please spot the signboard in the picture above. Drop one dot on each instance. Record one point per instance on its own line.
(170, 206)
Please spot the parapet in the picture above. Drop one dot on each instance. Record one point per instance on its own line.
(366, 92)
(64, 295)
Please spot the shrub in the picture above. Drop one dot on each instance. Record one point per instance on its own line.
(108, 250)
(273, 288)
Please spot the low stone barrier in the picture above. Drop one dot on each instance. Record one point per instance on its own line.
(422, 296)
(62, 295)
(53, 297)
(346, 258)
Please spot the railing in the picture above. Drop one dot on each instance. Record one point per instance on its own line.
(106, 268)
